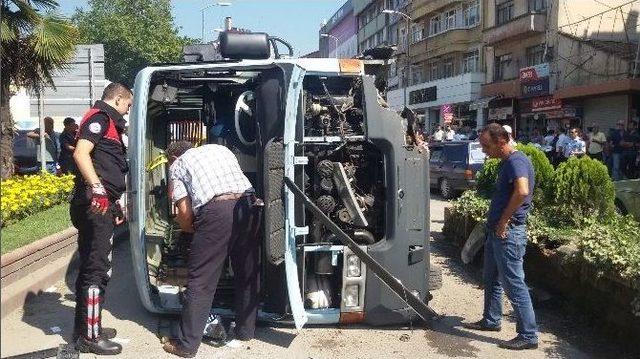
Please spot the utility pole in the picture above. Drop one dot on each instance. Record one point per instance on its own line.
(43, 160)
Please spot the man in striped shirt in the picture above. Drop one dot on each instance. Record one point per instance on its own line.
(215, 201)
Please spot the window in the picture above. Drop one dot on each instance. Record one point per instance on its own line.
(393, 69)
(436, 155)
(537, 5)
(416, 33)
(416, 74)
(470, 62)
(504, 12)
(456, 153)
(402, 39)
(535, 54)
(503, 68)
(435, 74)
(450, 20)
(447, 68)
(379, 38)
(472, 14)
(435, 26)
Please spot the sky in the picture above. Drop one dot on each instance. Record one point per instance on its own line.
(295, 21)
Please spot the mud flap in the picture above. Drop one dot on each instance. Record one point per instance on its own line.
(394, 284)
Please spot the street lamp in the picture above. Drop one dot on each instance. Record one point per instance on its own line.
(406, 66)
(207, 7)
(334, 38)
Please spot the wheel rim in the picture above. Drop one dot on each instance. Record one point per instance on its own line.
(444, 187)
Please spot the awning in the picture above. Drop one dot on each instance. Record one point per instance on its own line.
(481, 103)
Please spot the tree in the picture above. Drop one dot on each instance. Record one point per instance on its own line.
(135, 33)
(33, 43)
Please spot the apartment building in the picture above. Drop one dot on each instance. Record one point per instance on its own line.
(553, 63)
(338, 37)
(446, 63)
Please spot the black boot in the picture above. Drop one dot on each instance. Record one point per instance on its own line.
(98, 346)
(93, 339)
(106, 333)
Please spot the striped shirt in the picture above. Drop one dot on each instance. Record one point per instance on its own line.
(205, 172)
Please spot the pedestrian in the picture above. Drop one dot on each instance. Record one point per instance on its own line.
(575, 146)
(597, 141)
(438, 134)
(616, 142)
(509, 130)
(630, 143)
(560, 144)
(100, 181)
(215, 201)
(50, 145)
(506, 241)
(537, 137)
(449, 133)
(67, 145)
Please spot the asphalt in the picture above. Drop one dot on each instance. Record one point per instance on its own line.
(46, 320)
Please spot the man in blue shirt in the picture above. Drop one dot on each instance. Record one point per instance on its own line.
(506, 241)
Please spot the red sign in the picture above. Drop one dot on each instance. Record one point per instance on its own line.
(545, 103)
(534, 73)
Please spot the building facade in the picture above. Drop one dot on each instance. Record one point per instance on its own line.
(339, 36)
(560, 63)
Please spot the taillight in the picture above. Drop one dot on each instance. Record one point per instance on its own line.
(468, 174)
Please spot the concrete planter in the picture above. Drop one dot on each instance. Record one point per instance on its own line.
(607, 298)
(35, 267)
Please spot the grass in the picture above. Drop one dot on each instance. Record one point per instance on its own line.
(34, 227)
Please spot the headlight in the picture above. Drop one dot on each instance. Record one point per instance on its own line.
(351, 295)
(353, 266)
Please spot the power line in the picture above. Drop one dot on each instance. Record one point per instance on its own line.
(598, 14)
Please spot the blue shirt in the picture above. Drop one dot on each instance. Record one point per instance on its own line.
(515, 166)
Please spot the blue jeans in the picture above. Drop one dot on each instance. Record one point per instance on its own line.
(503, 259)
(617, 170)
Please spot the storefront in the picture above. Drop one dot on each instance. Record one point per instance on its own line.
(548, 113)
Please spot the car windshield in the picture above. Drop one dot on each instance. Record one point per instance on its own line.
(475, 153)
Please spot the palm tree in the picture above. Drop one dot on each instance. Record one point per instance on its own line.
(34, 42)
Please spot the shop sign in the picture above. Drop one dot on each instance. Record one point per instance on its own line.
(534, 73)
(427, 94)
(545, 103)
(534, 80)
(500, 113)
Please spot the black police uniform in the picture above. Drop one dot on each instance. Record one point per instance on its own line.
(103, 126)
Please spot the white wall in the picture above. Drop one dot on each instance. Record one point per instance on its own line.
(606, 111)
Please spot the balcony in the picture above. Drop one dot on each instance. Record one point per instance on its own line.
(421, 8)
(461, 88)
(506, 89)
(518, 28)
(456, 40)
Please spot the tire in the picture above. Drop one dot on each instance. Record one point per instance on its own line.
(435, 277)
(445, 189)
(620, 208)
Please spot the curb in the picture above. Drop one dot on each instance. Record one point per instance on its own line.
(44, 262)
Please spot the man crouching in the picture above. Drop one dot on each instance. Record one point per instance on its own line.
(215, 201)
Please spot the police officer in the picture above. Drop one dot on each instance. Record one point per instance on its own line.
(100, 181)
(216, 202)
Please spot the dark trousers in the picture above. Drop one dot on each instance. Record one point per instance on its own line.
(95, 241)
(223, 228)
(597, 156)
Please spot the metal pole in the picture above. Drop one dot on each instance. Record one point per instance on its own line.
(91, 76)
(407, 61)
(202, 23)
(43, 160)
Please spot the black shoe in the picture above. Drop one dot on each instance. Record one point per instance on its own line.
(518, 343)
(174, 348)
(481, 325)
(99, 346)
(107, 333)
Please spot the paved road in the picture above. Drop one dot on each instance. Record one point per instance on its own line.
(562, 335)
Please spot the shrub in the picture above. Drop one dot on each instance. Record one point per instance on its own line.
(613, 246)
(23, 196)
(543, 170)
(472, 205)
(582, 189)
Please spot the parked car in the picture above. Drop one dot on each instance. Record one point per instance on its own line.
(453, 166)
(24, 154)
(628, 197)
(316, 122)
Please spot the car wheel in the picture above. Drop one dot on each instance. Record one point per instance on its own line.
(435, 277)
(445, 189)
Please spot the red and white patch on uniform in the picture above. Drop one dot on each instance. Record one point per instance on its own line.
(95, 127)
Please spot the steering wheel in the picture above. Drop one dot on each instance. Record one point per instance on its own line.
(243, 107)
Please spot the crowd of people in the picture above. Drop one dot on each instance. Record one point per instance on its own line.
(59, 147)
(619, 149)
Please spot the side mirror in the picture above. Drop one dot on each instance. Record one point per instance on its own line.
(239, 46)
